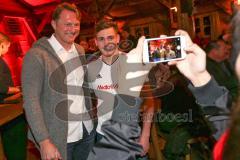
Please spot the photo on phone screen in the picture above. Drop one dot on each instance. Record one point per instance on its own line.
(163, 49)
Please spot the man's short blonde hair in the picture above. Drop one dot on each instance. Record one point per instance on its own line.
(65, 6)
(105, 24)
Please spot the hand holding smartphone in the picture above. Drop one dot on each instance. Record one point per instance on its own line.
(157, 50)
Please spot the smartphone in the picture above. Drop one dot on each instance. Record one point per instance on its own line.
(157, 50)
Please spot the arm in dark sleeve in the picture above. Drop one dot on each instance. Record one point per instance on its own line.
(3, 86)
(121, 132)
(212, 94)
(5, 77)
(32, 81)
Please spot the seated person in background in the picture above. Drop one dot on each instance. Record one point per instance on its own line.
(13, 133)
(85, 45)
(128, 41)
(6, 83)
(93, 53)
(219, 67)
(92, 48)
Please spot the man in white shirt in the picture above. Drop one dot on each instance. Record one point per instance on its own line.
(52, 77)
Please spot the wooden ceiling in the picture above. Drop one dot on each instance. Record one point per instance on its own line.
(93, 10)
(121, 9)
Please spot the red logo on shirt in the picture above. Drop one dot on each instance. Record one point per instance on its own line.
(107, 87)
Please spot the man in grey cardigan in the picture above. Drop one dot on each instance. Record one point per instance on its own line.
(52, 80)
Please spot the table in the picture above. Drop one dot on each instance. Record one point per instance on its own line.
(9, 112)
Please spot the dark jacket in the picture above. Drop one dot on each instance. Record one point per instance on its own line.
(224, 75)
(211, 94)
(5, 79)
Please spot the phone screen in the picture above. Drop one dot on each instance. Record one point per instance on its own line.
(164, 49)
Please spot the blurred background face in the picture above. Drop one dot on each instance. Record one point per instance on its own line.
(107, 41)
(124, 34)
(223, 50)
(66, 28)
(92, 44)
(220, 51)
(84, 44)
(4, 46)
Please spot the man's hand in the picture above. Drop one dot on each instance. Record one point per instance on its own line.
(13, 90)
(49, 151)
(194, 65)
(144, 141)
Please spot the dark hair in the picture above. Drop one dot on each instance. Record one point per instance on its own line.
(67, 6)
(4, 38)
(211, 45)
(104, 24)
(126, 28)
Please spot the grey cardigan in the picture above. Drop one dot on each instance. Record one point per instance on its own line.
(45, 94)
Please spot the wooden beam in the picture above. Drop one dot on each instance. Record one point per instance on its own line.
(159, 18)
(105, 11)
(45, 20)
(166, 3)
(137, 16)
(98, 8)
(44, 9)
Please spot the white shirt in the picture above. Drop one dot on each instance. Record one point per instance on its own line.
(104, 83)
(74, 78)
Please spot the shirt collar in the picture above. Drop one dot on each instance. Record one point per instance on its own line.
(58, 48)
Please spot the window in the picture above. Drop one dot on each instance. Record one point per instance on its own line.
(203, 25)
